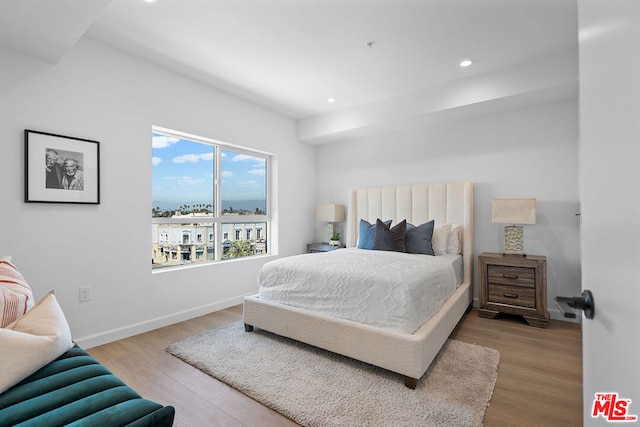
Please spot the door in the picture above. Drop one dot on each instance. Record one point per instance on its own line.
(609, 41)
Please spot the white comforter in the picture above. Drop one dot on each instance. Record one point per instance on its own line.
(390, 290)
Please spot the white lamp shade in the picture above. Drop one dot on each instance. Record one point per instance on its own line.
(330, 213)
(513, 211)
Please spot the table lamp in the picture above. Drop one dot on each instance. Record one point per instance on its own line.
(330, 214)
(514, 212)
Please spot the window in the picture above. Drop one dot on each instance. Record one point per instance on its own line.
(210, 200)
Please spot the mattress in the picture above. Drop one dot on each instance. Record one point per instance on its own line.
(390, 290)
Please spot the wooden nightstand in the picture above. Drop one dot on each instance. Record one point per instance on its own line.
(321, 247)
(513, 284)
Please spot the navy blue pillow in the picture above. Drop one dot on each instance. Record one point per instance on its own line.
(390, 239)
(417, 240)
(366, 234)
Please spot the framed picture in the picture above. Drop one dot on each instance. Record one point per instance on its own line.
(61, 169)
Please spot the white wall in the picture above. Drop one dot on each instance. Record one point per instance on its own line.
(529, 152)
(98, 93)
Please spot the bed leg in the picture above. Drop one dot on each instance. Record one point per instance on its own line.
(410, 382)
(248, 328)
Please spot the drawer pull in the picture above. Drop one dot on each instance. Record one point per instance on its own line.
(506, 295)
(510, 276)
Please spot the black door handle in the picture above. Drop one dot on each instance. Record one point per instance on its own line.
(584, 303)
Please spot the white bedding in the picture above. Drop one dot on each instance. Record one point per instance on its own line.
(391, 290)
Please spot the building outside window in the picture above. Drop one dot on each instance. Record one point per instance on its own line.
(202, 187)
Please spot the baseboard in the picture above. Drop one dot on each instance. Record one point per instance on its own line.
(149, 325)
(160, 322)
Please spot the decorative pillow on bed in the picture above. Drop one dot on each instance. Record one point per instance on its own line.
(440, 239)
(15, 293)
(390, 239)
(418, 239)
(454, 244)
(447, 239)
(32, 341)
(367, 232)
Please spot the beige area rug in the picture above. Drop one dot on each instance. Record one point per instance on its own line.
(314, 387)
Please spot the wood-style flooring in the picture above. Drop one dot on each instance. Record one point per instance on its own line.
(539, 377)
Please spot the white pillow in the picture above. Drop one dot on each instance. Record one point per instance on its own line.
(447, 239)
(16, 297)
(440, 238)
(34, 340)
(454, 244)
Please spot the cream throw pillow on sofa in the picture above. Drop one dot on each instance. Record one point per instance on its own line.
(32, 341)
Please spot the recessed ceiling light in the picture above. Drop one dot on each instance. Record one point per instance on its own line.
(466, 63)
(331, 100)
(149, 1)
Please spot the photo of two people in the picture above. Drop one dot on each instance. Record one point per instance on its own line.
(64, 169)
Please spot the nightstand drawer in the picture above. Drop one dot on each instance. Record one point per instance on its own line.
(505, 275)
(512, 295)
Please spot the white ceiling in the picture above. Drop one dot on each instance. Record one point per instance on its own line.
(291, 55)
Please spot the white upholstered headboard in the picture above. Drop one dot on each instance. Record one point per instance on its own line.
(450, 202)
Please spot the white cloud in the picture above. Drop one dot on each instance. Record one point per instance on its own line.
(244, 157)
(192, 158)
(163, 141)
(259, 172)
(250, 183)
(227, 174)
(155, 161)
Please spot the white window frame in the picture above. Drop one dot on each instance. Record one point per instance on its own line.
(217, 219)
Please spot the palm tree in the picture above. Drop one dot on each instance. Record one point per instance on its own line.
(240, 248)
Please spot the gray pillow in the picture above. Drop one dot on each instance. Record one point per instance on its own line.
(417, 240)
(390, 239)
(366, 233)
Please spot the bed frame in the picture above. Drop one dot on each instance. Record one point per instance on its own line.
(407, 354)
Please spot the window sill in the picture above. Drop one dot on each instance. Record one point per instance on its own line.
(263, 258)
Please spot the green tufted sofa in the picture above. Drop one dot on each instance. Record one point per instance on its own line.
(76, 390)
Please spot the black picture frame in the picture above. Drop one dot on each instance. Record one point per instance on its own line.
(70, 172)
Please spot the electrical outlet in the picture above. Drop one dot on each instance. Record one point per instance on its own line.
(85, 294)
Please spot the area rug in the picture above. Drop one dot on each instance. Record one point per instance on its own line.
(317, 388)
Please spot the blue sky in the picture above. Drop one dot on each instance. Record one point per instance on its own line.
(183, 172)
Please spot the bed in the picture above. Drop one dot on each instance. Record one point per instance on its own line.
(406, 353)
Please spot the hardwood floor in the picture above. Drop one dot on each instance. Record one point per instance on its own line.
(539, 379)
(540, 371)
